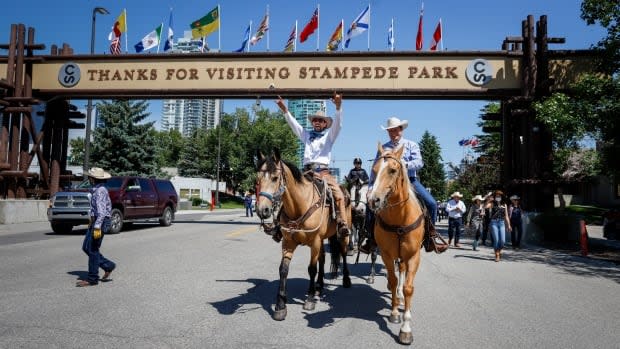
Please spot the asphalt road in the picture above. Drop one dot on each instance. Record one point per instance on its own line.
(209, 281)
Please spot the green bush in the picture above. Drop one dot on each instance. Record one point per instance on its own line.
(196, 201)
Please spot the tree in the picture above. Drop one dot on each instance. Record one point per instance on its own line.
(77, 151)
(432, 174)
(170, 144)
(124, 145)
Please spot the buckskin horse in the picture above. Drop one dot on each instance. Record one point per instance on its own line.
(305, 218)
(399, 231)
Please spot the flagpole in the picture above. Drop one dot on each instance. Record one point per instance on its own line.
(295, 41)
(341, 34)
(126, 29)
(441, 31)
(219, 30)
(247, 44)
(368, 27)
(268, 19)
(318, 25)
(393, 37)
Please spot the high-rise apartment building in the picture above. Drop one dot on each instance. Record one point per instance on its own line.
(300, 109)
(187, 115)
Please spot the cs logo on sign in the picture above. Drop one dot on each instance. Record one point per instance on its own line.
(69, 74)
(479, 72)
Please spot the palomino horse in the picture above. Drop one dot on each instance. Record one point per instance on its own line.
(399, 231)
(305, 219)
(359, 190)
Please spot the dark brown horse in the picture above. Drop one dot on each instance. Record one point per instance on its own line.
(399, 231)
(305, 218)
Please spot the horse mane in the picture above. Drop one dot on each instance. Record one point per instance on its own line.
(405, 176)
(271, 167)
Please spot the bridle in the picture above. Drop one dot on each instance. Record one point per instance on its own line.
(391, 189)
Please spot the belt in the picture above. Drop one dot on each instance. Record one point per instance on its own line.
(315, 167)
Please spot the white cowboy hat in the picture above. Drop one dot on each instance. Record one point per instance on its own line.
(98, 173)
(489, 194)
(515, 197)
(456, 193)
(395, 122)
(477, 197)
(321, 115)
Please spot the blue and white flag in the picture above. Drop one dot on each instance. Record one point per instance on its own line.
(150, 40)
(168, 44)
(246, 38)
(359, 25)
(391, 36)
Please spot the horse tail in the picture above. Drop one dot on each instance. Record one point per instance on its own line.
(335, 249)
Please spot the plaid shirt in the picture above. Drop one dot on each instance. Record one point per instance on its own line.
(100, 205)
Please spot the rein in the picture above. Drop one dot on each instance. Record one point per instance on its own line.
(390, 156)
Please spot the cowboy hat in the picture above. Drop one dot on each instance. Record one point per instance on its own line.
(515, 197)
(456, 193)
(477, 197)
(98, 173)
(394, 122)
(489, 194)
(321, 115)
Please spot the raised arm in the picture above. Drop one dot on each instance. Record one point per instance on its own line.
(290, 120)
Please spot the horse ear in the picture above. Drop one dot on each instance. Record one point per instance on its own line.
(379, 147)
(276, 154)
(260, 155)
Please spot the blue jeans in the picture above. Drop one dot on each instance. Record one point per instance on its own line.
(95, 259)
(517, 232)
(454, 228)
(498, 232)
(429, 200)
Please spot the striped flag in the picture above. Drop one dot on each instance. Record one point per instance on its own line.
(168, 44)
(359, 25)
(391, 36)
(418, 39)
(436, 37)
(207, 24)
(292, 39)
(246, 38)
(262, 29)
(115, 46)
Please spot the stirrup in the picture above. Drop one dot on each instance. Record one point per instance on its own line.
(431, 245)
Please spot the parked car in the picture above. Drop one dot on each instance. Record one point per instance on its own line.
(133, 199)
(611, 224)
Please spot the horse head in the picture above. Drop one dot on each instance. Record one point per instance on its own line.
(391, 179)
(269, 183)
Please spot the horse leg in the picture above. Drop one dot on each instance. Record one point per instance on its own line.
(373, 261)
(315, 251)
(405, 336)
(280, 310)
(392, 283)
(346, 278)
(320, 280)
(401, 280)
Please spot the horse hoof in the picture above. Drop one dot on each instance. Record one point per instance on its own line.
(279, 315)
(405, 337)
(309, 305)
(370, 280)
(333, 275)
(346, 282)
(395, 319)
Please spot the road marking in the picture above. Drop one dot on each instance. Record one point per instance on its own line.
(242, 231)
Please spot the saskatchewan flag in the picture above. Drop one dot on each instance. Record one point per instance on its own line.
(207, 24)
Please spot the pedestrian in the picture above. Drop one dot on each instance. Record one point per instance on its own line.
(413, 161)
(515, 212)
(500, 223)
(100, 211)
(475, 219)
(487, 200)
(456, 208)
(318, 143)
(247, 201)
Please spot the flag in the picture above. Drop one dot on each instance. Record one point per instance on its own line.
(204, 46)
(119, 27)
(246, 38)
(359, 25)
(310, 27)
(115, 46)
(418, 38)
(169, 43)
(292, 38)
(436, 37)
(474, 142)
(150, 40)
(262, 29)
(391, 36)
(336, 38)
(207, 24)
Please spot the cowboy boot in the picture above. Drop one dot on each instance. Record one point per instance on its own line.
(430, 234)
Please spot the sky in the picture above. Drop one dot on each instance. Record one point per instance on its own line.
(477, 25)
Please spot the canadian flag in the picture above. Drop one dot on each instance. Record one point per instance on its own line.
(436, 37)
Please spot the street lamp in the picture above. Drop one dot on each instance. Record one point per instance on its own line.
(217, 171)
(89, 106)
